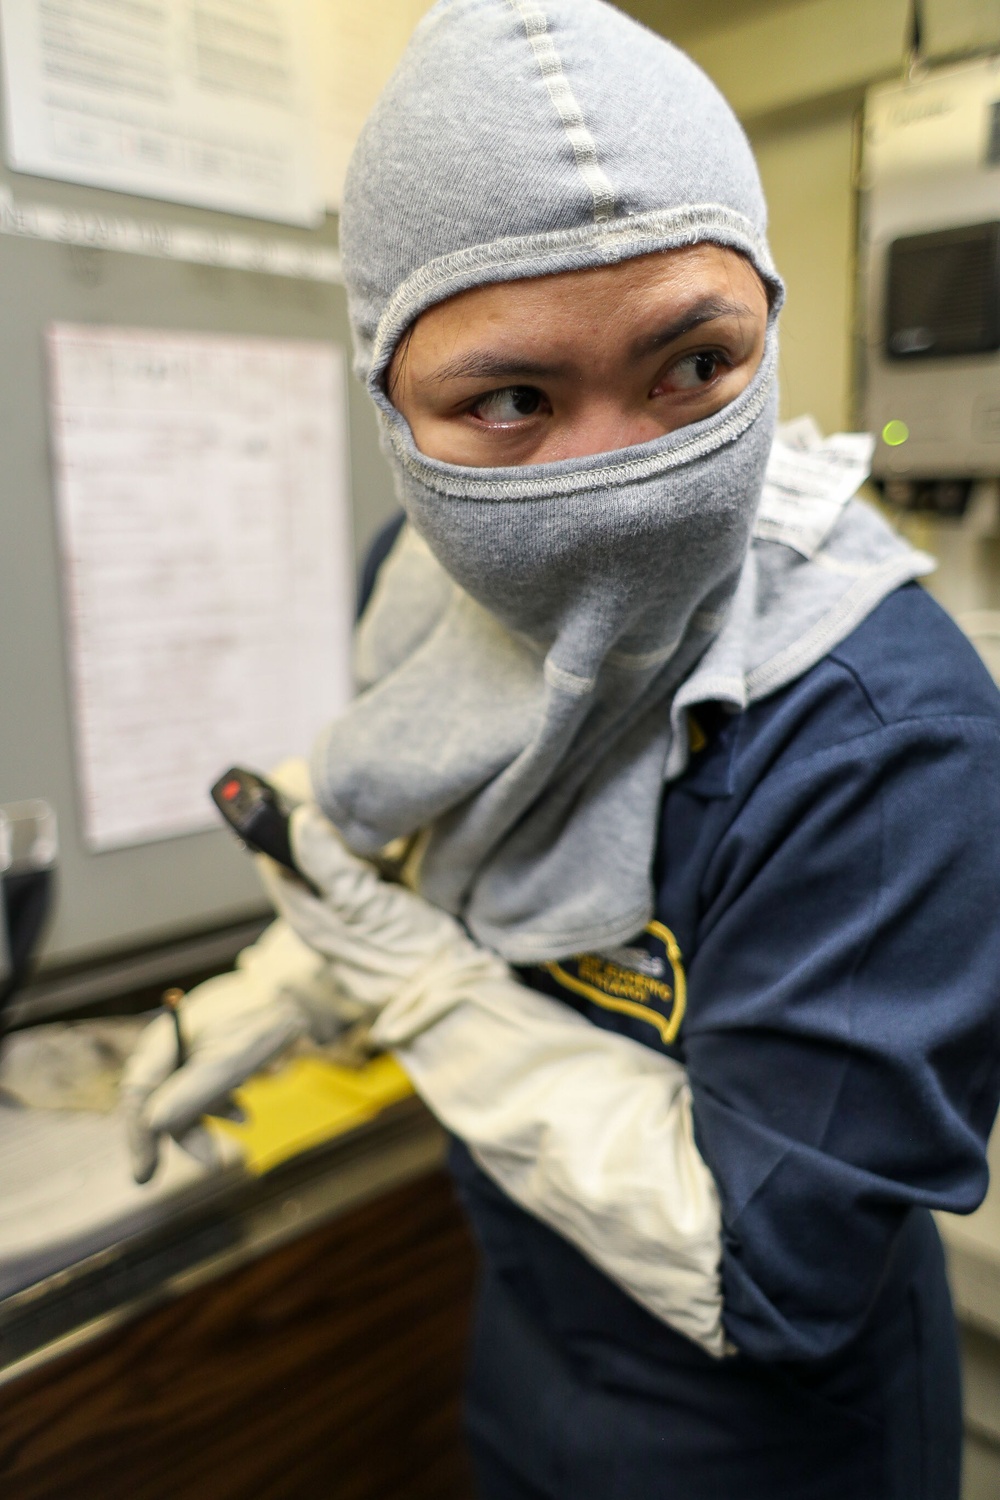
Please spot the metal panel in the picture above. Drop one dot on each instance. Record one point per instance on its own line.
(117, 899)
(927, 170)
(954, 26)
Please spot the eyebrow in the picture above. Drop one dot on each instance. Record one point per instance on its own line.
(484, 364)
(487, 364)
(705, 310)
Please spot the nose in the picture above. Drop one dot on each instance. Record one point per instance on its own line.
(602, 427)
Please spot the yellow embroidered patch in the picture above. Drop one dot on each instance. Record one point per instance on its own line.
(697, 738)
(632, 980)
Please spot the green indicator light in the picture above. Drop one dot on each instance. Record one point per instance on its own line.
(894, 433)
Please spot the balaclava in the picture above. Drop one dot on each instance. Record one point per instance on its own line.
(531, 646)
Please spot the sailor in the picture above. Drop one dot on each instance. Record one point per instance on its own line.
(698, 957)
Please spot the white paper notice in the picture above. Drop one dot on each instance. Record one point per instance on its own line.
(808, 482)
(197, 101)
(203, 512)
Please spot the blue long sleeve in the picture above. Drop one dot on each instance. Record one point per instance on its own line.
(843, 1035)
(843, 1026)
(829, 873)
(829, 869)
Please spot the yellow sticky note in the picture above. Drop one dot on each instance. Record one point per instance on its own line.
(308, 1102)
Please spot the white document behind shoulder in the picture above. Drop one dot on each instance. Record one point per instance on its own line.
(66, 1190)
(204, 527)
(197, 101)
(808, 482)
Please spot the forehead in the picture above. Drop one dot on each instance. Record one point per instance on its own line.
(629, 290)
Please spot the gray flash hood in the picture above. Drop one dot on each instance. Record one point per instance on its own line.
(539, 633)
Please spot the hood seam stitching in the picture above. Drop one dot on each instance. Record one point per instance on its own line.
(584, 479)
(590, 244)
(567, 107)
(854, 606)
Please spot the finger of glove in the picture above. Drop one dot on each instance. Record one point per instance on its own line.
(319, 849)
(291, 778)
(213, 1073)
(393, 913)
(213, 1007)
(143, 1143)
(227, 1109)
(200, 1143)
(366, 902)
(312, 918)
(152, 1060)
(369, 971)
(279, 958)
(358, 912)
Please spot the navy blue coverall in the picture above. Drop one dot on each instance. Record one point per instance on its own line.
(825, 961)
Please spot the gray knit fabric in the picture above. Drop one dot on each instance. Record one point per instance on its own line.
(519, 138)
(539, 633)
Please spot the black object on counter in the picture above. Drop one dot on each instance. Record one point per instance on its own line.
(27, 886)
(252, 808)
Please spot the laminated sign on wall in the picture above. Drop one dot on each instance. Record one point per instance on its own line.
(197, 101)
(203, 517)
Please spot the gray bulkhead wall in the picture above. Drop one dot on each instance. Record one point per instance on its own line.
(118, 899)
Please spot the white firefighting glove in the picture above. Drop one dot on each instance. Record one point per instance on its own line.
(586, 1129)
(231, 1026)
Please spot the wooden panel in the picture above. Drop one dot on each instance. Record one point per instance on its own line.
(330, 1368)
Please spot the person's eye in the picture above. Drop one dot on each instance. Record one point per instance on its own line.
(695, 370)
(512, 404)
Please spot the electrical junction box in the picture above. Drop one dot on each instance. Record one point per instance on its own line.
(929, 260)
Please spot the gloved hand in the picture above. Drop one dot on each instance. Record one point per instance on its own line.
(232, 1026)
(586, 1129)
(380, 938)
